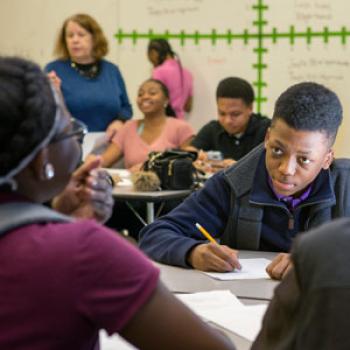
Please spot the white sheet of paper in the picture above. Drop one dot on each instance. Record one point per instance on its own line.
(224, 309)
(251, 269)
(114, 342)
(245, 322)
(211, 300)
(124, 175)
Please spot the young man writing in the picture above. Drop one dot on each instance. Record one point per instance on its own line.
(238, 130)
(287, 186)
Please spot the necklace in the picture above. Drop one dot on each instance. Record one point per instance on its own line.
(88, 71)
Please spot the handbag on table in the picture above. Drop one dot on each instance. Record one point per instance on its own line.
(174, 168)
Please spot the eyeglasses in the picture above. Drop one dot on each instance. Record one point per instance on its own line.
(78, 130)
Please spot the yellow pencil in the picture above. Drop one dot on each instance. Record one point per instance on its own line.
(205, 233)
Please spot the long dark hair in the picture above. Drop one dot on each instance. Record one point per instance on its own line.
(163, 48)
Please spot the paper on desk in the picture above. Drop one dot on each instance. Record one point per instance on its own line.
(114, 342)
(246, 323)
(124, 175)
(251, 269)
(210, 300)
(225, 310)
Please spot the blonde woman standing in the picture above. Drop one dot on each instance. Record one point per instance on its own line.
(93, 87)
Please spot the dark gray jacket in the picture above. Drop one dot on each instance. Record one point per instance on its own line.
(243, 228)
(311, 306)
(223, 208)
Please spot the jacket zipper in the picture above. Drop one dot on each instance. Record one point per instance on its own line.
(291, 219)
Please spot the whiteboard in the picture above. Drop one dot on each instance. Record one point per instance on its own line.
(270, 43)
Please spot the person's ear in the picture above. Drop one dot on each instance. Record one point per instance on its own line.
(328, 159)
(250, 108)
(267, 137)
(40, 166)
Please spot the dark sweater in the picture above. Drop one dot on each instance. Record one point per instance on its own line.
(97, 101)
(310, 307)
(213, 137)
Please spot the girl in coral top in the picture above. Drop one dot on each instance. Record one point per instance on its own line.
(155, 132)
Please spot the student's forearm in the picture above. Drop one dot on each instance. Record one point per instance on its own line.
(188, 104)
(164, 312)
(111, 155)
(187, 144)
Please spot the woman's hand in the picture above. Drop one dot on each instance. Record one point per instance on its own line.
(55, 80)
(136, 167)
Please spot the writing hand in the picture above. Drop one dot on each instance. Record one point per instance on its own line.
(136, 167)
(228, 162)
(214, 257)
(279, 266)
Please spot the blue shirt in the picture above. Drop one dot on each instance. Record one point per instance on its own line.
(95, 101)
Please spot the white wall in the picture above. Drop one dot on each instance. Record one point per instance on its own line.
(29, 28)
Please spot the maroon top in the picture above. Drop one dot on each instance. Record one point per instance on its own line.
(62, 282)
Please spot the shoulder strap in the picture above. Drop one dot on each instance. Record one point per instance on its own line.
(17, 214)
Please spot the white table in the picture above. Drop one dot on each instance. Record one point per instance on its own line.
(189, 281)
(240, 342)
(128, 195)
(180, 280)
(124, 192)
(258, 291)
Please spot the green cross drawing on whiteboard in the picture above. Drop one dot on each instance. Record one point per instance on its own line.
(260, 37)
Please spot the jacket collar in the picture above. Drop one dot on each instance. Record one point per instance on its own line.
(261, 193)
(240, 176)
(249, 175)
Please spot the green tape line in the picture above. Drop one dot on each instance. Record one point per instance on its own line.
(259, 39)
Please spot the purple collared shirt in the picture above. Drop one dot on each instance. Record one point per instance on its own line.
(291, 201)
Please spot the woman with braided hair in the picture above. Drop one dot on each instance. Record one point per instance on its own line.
(61, 279)
(169, 70)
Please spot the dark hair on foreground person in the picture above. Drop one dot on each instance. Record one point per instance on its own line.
(27, 110)
(300, 101)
